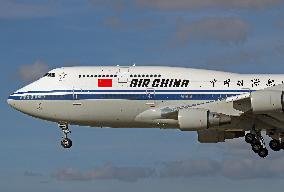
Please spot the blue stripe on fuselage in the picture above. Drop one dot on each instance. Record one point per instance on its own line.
(82, 96)
(132, 91)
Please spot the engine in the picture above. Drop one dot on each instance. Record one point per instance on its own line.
(199, 119)
(267, 101)
(215, 136)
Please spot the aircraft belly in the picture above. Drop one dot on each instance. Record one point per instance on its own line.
(95, 113)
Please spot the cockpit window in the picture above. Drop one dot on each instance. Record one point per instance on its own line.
(49, 75)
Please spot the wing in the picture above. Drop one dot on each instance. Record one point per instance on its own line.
(262, 106)
(225, 119)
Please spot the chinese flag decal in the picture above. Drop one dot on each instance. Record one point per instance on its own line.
(104, 82)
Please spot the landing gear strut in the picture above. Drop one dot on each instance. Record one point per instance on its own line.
(65, 142)
(257, 143)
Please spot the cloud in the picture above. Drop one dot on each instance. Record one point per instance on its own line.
(224, 30)
(190, 168)
(20, 9)
(235, 162)
(107, 172)
(31, 174)
(233, 165)
(253, 168)
(33, 71)
(177, 5)
(238, 168)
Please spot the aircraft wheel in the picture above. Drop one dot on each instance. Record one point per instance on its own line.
(256, 147)
(275, 145)
(66, 143)
(249, 138)
(263, 152)
(282, 145)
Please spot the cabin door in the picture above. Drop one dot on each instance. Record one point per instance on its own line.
(123, 74)
(77, 95)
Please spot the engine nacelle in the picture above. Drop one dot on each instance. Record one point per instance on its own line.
(267, 101)
(215, 136)
(198, 119)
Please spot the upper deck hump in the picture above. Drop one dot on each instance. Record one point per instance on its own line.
(147, 69)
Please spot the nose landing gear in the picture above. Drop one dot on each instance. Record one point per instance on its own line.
(65, 142)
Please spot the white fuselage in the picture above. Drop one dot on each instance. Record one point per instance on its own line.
(115, 96)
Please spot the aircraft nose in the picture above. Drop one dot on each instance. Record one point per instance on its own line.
(11, 101)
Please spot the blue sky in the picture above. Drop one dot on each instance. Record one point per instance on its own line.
(240, 36)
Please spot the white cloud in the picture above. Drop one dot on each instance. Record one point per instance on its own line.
(190, 168)
(253, 168)
(107, 172)
(234, 168)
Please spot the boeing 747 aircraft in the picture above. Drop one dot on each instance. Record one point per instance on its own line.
(218, 105)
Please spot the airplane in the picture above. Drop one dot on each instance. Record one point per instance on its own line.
(217, 105)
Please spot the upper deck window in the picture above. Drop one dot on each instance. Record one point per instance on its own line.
(49, 75)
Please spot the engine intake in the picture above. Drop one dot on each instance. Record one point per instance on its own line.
(198, 119)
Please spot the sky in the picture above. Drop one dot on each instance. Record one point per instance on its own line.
(244, 36)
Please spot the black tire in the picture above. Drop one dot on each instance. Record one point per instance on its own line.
(263, 153)
(275, 145)
(249, 138)
(282, 145)
(66, 143)
(256, 147)
(255, 142)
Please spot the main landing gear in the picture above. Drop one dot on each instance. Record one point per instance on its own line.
(257, 143)
(65, 142)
